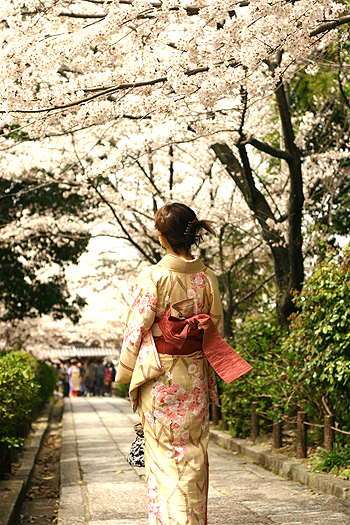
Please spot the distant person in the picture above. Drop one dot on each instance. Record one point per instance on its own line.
(74, 378)
(82, 374)
(100, 378)
(64, 377)
(109, 377)
(89, 377)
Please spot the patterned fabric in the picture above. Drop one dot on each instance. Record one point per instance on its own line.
(172, 392)
(174, 411)
(136, 456)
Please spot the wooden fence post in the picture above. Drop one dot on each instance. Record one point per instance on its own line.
(328, 432)
(223, 422)
(301, 435)
(214, 413)
(255, 421)
(277, 432)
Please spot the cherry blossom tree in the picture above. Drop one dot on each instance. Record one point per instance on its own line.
(125, 187)
(218, 73)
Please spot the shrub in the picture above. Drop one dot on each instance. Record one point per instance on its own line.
(18, 393)
(319, 341)
(47, 378)
(122, 389)
(24, 383)
(257, 339)
(335, 460)
(309, 368)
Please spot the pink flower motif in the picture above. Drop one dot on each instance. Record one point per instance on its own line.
(191, 293)
(160, 313)
(176, 451)
(199, 306)
(198, 279)
(144, 353)
(149, 418)
(185, 435)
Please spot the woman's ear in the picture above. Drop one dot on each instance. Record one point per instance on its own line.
(161, 238)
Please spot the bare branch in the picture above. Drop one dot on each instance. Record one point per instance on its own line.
(270, 150)
(253, 292)
(341, 89)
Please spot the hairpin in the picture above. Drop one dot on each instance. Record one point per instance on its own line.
(189, 230)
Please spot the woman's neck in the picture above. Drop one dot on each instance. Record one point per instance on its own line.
(182, 254)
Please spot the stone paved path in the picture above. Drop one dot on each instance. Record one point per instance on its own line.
(98, 487)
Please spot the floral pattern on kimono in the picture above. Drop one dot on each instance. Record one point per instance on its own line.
(172, 392)
(140, 318)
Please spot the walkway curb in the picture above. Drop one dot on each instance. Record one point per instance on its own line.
(12, 491)
(71, 509)
(288, 468)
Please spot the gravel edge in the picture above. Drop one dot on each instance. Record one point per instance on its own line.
(12, 491)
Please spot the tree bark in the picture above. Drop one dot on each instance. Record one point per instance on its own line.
(262, 212)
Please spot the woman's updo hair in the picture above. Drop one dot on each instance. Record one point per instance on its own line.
(180, 226)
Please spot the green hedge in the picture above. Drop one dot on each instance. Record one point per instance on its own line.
(319, 341)
(307, 369)
(258, 339)
(24, 384)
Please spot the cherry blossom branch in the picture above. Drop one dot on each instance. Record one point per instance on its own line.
(240, 259)
(117, 218)
(189, 10)
(328, 26)
(323, 27)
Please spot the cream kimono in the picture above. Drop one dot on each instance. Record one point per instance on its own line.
(172, 391)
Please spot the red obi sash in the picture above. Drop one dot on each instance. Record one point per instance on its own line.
(182, 337)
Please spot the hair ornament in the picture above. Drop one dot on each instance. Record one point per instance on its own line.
(189, 229)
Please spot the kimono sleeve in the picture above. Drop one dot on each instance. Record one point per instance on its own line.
(216, 312)
(140, 319)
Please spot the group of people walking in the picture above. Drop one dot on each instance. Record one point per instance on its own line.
(90, 377)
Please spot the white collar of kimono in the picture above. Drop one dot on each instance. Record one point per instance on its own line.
(182, 259)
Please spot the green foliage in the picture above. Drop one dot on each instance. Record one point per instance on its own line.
(334, 461)
(307, 88)
(47, 378)
(307, 369)
(122, 389)
(18, 393)
(24, 382)
(24, 294)
(258, 340)
(320, 339)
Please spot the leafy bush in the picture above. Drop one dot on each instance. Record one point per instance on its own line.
(47, 378)
(258, 340)
(307, 369)
(18, 393)
(122, 389)
(24, 383)
(319, 341)
(334, 460)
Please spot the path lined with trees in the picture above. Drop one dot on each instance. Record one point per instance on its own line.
(110, 109)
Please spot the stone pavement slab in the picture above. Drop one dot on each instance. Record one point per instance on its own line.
(100, 488)
(287, 467)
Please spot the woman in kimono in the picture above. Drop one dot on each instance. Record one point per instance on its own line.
(172, 345)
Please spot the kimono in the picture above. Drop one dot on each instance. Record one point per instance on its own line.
(171, 392)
